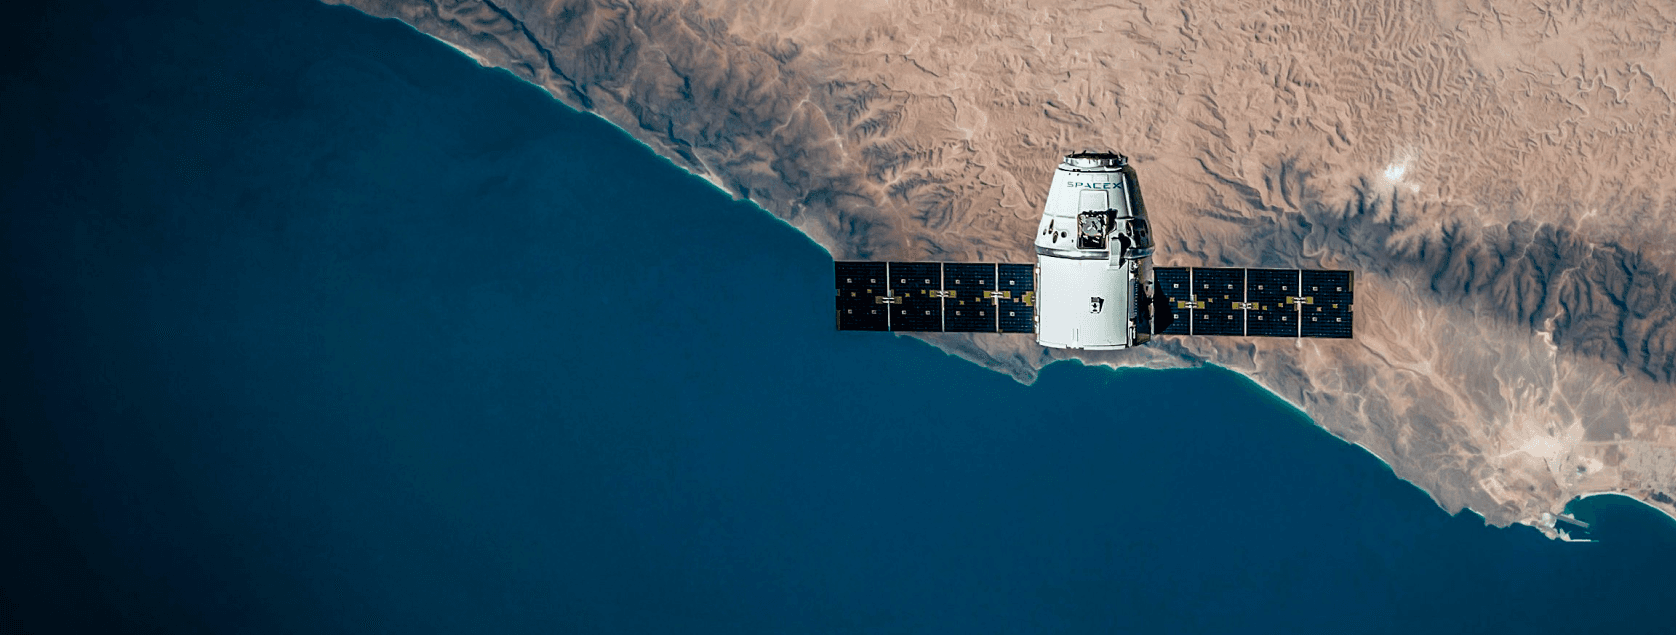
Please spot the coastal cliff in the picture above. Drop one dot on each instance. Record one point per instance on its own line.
(1501, 176)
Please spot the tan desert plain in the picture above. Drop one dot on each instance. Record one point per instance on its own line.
(1500, 173)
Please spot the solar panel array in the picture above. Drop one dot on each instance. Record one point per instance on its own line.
(1256, 302)
(1268, 308)
(1015, 298)
(918, 288)
(1221, 296)
(1329, 297)
(965, 308)
(963, 297)
(1175, 288)
(860, 285)
(1000, 298)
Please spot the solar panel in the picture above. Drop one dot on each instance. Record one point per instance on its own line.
(861, 289)
(1221, 296)
(918, 289)
(1270, 310)
(1016, 298)
(991, 297)
(1326, 304)
(968, 305)
(1173, 288)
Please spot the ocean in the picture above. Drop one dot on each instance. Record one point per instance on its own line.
(315, 325)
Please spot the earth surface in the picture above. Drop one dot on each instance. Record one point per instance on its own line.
(1500, 174)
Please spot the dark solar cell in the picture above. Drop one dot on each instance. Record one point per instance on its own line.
(1219, 292)
(1016, 285)
(968, 305)
(1328, 296)
(1270, 310)
(861, 286)
(1174, 292)
(917, 287)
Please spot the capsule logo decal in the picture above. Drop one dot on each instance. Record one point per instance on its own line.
(1093, 186)
(1096, 304)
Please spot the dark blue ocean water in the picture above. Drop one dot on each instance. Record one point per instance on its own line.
(313, 325)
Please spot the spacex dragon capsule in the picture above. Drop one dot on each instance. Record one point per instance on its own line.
(1093, 285)
(1093, 257)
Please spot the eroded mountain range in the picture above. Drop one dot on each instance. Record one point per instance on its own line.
(1502, 175)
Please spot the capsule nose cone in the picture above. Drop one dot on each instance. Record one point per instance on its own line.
(1086, 160)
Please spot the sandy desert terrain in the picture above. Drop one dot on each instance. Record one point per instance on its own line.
(1501, 175)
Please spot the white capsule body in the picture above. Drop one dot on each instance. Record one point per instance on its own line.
(1093, 257)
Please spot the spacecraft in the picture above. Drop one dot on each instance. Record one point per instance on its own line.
(1093, 285)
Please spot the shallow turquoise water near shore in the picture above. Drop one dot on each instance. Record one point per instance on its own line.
(1620, 520)
(326, 330)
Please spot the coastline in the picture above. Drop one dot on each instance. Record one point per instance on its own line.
(484, 62)
(371, 340)
(1446, 498)
(1661, 511)
(463, 50)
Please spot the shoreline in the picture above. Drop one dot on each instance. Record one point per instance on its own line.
(462, 50)
(485, 63)
(1317, 425)
(713, 181)
(1548, 529)
(1643, 503)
